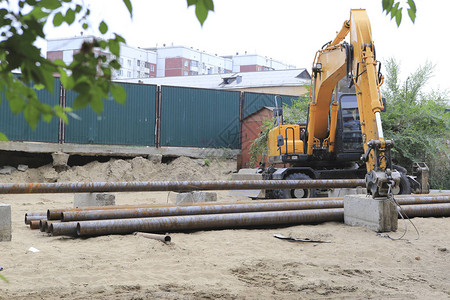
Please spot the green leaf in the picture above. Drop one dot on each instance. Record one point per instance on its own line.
(97, 104)
(412, 5)
(114, 47)
(3, 138)
(16, 105)
(103, 27)
(32, 115)
(85, 26)
(81, 101)
(398, 17)
(67, 81)
(412, 15)
(39, 87)
(70, 16)
(118, 93)
(50, 4)
(202, 7)
(58, 19)
(129, 7)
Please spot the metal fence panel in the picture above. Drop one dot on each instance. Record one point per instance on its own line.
(129, 124)
(17, 129)
(193, 117)
(255, 101)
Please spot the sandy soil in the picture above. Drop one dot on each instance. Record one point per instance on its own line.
(225, 264)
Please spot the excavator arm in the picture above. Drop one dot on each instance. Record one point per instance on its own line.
(357, 61)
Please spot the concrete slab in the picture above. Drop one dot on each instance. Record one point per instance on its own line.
(117, 150)
(194, 197)
(5, 222)
(379, 214)
(93, 199)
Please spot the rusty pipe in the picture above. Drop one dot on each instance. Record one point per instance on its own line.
(237, 220)
(255, 206)
(28, 219)
(217, 221)
(55, 214)
(197, 210)
(66, 228)
(149, 186)
(426, 210)
(34, 224)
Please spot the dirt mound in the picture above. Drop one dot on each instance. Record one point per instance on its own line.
(136, 169)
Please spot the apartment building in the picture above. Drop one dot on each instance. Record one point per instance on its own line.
(135, 62)
(167, 61)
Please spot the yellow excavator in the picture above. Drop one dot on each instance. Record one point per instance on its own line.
(343, 136)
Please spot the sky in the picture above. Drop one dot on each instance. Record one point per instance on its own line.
(290, 31)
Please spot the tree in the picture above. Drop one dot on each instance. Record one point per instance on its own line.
(417, 122)
(89, 74)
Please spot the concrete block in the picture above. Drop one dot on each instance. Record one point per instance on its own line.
(60, 159)
(378, 214)
(7, 170)
(93, 199)
(194, 197)
(5, 222)
(341, 192)
(22, 168)
(155, 158)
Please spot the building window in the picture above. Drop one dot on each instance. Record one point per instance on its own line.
(186, 63)
(139, 74)
(121, 72)
(129, 74)
(121, 61)
(129, 62)
(194, 63)
(147, 65)
(185, 73)
(146, 75)
(152, 68)
(138, 62)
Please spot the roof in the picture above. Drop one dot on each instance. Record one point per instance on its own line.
(290, 77)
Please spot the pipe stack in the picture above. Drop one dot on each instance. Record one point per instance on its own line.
(197, 216)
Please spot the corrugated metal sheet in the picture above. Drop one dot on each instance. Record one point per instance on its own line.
(129, 124)
(255, 101)
(199, 118)
(16, 128)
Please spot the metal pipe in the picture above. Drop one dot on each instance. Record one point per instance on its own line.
(149, 186)
(35, 214)
(197, 210)
(42, 224)
(55, 214)
(218, 221)
(28, 219)
(34, 224)
(66, 228)
(255, 206)
(160, 237)
(426, 210)
(237, 220)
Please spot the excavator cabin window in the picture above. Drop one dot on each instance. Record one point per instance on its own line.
(351, 127)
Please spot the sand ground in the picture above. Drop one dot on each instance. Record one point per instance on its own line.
(223, 264)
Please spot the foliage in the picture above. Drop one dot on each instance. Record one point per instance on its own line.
(417, 122)
(4, 278)
(202, 8)
(258, 147)
(296, 112)
(393, 7)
